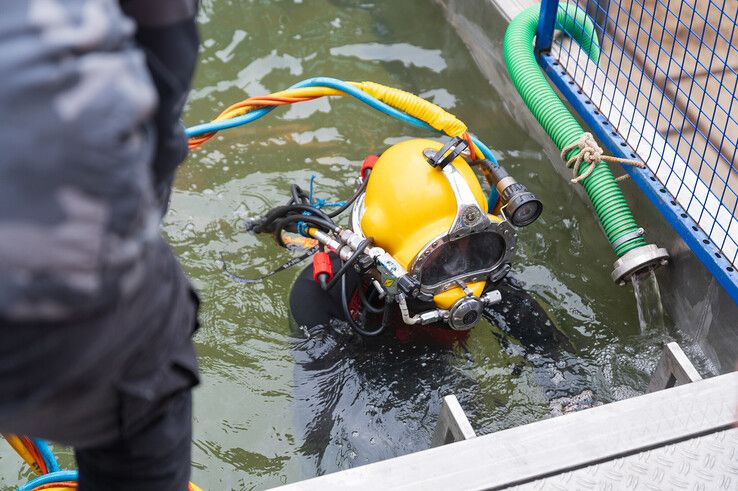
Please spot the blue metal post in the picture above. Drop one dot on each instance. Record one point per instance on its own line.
(546, 25)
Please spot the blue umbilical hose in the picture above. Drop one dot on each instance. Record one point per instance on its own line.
(349, 89)
(333, 84)
(46, 454)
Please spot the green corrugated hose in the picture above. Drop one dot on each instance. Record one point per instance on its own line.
(608, 200)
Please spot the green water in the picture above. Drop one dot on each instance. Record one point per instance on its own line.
(246, 436)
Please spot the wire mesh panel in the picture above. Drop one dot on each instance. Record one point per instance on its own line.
(663, 90)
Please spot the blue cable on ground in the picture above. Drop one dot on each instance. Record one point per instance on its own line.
(46, 454)
(201, 129)
(58, 476)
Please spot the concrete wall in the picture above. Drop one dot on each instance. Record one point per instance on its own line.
(706, 318)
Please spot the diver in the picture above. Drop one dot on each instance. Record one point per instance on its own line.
(423, 249)
(385, 311)
(389, 299)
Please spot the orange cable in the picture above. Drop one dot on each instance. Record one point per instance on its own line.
(35, 453)
(60, 484)
(472, 152)
(266, 100)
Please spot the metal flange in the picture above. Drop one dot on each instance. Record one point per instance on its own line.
(647, 256)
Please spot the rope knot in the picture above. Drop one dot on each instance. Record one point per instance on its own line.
(591, 153)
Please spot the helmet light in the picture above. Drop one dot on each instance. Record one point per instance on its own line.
(521, 207)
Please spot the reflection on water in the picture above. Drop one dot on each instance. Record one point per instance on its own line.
(257, 404)
(360, 400)
(407, 54)
(364, 400)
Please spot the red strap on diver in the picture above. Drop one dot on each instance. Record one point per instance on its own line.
(368, 164)
(322, 264)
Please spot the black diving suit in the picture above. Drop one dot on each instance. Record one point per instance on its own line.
(364, 399)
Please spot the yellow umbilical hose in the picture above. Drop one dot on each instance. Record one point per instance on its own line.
(409, 103)
(415, 106)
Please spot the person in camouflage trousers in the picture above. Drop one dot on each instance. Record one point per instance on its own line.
(96, 315)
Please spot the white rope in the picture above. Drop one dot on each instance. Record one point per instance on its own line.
(591, 153)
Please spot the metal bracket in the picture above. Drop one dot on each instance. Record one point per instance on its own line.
(625, 238)
(446, 154)
(453, 425)
(470, 217)
(674, 368)
(546, 25)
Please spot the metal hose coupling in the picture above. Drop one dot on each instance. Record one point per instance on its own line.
(638, 259)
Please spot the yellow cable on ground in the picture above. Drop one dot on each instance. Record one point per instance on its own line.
(312, 92)
(305, 92)
(235, 112)
(21, 450)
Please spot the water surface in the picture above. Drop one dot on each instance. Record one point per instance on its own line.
(246, 431)
(247, 434)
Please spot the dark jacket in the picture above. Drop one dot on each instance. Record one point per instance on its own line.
(95, 312)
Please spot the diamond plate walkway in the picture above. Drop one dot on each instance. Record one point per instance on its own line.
(679, 438)
(706, 462)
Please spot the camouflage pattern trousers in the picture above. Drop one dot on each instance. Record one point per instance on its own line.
(96, 315)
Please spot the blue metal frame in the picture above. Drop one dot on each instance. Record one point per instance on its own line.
(546, 25)
(700, 243)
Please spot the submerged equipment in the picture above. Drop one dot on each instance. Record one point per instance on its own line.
(422, 230)
(617, 220)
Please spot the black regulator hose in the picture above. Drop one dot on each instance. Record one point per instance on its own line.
(367, 305)
(347, 313)
(351, 260)
(386, 315)
(285, 210)
(353, 198)
(298, 196)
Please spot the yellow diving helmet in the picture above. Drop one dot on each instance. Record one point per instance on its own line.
(434, 221)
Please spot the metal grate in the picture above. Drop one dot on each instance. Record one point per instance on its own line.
(664, 90)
